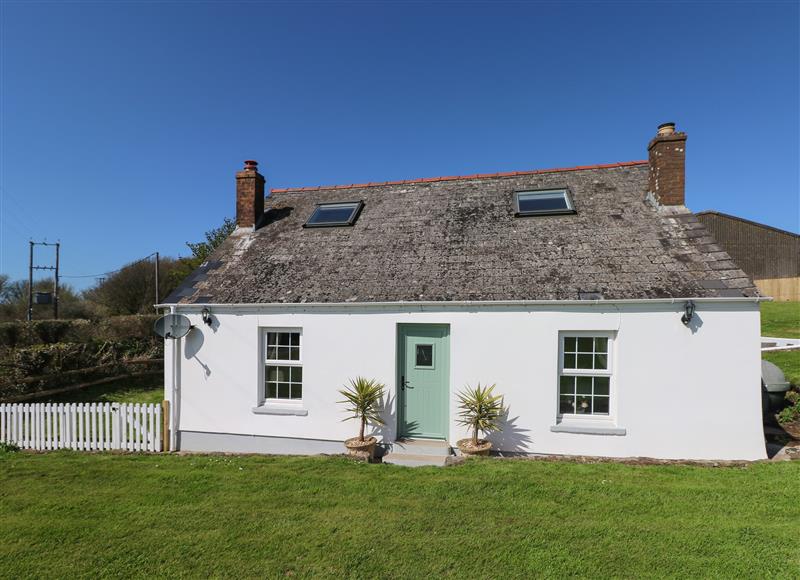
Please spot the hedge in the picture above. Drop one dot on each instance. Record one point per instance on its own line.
(21, 333)
(48, 354)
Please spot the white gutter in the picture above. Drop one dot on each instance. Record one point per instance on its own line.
(459, 303)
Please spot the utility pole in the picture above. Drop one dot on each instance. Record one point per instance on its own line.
(31, 268)
(55, 285)
(156, 277)
(30, 283)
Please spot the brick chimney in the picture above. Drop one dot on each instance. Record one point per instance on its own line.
(249, 195)
(667, 154)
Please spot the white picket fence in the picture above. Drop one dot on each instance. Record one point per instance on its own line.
(82, 426)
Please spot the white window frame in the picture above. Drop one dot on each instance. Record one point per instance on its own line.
(561, 191)
(607, 372)
(265, 362)
(356, 205)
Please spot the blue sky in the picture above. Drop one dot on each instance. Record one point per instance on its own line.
(123, 123)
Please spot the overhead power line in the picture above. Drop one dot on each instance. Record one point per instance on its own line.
(101, 277)
(106, 274)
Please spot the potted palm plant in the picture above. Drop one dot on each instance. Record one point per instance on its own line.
(480, 410)
(363, 398)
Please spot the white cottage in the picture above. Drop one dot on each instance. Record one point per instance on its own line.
(598, 304)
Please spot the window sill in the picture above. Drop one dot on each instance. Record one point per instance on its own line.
(272, 409)
(521, 214)
(588, 428)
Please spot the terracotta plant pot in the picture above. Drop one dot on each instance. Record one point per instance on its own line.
(466, 447)
(361, 449)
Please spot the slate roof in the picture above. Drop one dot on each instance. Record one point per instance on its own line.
(457, 238)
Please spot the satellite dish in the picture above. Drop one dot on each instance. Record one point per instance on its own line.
(172, 326)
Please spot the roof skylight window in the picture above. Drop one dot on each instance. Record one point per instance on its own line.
(334, 214)
(543, 202)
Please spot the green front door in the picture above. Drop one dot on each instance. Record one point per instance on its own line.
(423, 369)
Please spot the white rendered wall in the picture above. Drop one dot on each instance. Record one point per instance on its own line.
(681, 393)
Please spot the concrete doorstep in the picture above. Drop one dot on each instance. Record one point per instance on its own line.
(418, 453)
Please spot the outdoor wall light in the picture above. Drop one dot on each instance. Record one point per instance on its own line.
(206, 314)
(688, 312)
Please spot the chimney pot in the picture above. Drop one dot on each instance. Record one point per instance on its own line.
(666, 128)
(251, 165)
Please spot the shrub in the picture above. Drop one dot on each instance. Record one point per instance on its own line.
(35, 356)
(10, 333)
(131, 326)
(363, 399)
(480, 410)
(51, 331)
(20, 333)
(791, 412)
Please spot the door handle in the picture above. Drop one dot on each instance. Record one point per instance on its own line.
(404, 383)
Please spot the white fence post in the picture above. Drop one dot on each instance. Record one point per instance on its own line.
(30, 440)
(72, 439)
(158, 427)
(115, 436)
(122, 415)
(62, 426)
(107, 426)
(47, 428)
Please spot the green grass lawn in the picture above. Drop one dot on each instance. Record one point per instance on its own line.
(89, 515)
(780, 319)
(788, 361)
(148, 389)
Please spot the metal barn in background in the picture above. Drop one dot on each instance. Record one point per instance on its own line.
(770, 256)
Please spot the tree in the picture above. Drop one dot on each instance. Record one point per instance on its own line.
(131, 290)
(201, 251)
(14, 300)
(4, 287)
(214, 238)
